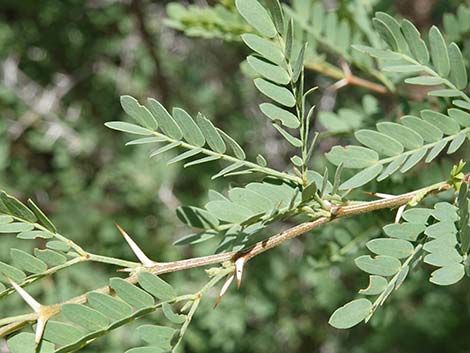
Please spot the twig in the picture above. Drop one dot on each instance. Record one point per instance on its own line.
(261, 246)
(159, 80)
(334, 72)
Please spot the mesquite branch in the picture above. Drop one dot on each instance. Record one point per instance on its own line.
(350, 209)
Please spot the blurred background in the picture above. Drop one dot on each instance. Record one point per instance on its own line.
(63, 66)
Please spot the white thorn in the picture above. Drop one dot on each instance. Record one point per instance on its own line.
(144, 260)
(40, 326)
(399, 213)
(33, 303)
(383, 196)
(227, 283)
(239, 263)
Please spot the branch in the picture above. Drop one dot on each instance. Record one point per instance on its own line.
(334, 72)
(353, 208)
(159, 79)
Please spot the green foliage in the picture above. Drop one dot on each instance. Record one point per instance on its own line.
(274, 192)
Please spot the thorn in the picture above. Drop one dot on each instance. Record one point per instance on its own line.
(40, 326)
(144, 260)
(33, 303)
(399, 213)
(379, 195)
(346, 71)
(239, 263)
(227, 283)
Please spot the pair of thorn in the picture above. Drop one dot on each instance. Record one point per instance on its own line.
(239, 265)
(344, 81)
(401, 209)
(43, 312)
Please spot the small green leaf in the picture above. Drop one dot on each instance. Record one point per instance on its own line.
(275, 9)
(251, 200)
(17, 208)
(84, 316)
(299, 64)
(445, 93)
(46, 222)
(158, 335)
(15, 227)
(392, 167)
(461, 104)
(405, 231)
(257, 16)
(264, 47)
(34, 234)
(441, 230)
(236, 148)
(24, 342)
(394, 28)
(448, 275)
(15, 274)
(381, 265)
(27, 262)
(354, 157)
(417, 215)
(131, 294)
(61, 333)
(138, 112)
(438, 147)
(361, 178)
(166, 122)
(145, 140)
(164, 149)
(183, 156)
(377, 285)
(196, 217)
(109, 306)
(128, 127)
(429, 132)
(385, 33)
(406, 136)
(463, 118)
(213, 138)
(4, 219)
(425, 80)
(269, 71)
(58, 245)
(379, 142)
(458, 72)
(398, 248)
(156, 286)
(278, 114)
(413, 160)
(405, 68)
(170, 314)
(351, 314)
(439, 54)
(444, 211)
(278, 94)
(444, 257)
(228, 211)
(415, 43)
(196, 238)
(294, 141)
(191, 132)
(50, 257)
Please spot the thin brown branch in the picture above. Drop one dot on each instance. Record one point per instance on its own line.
(269, 243)
(332, 71)
(151, 44)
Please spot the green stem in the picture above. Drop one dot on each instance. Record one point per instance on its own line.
(433, 73)
(429, 145)
(112, 261)
(250, 165)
